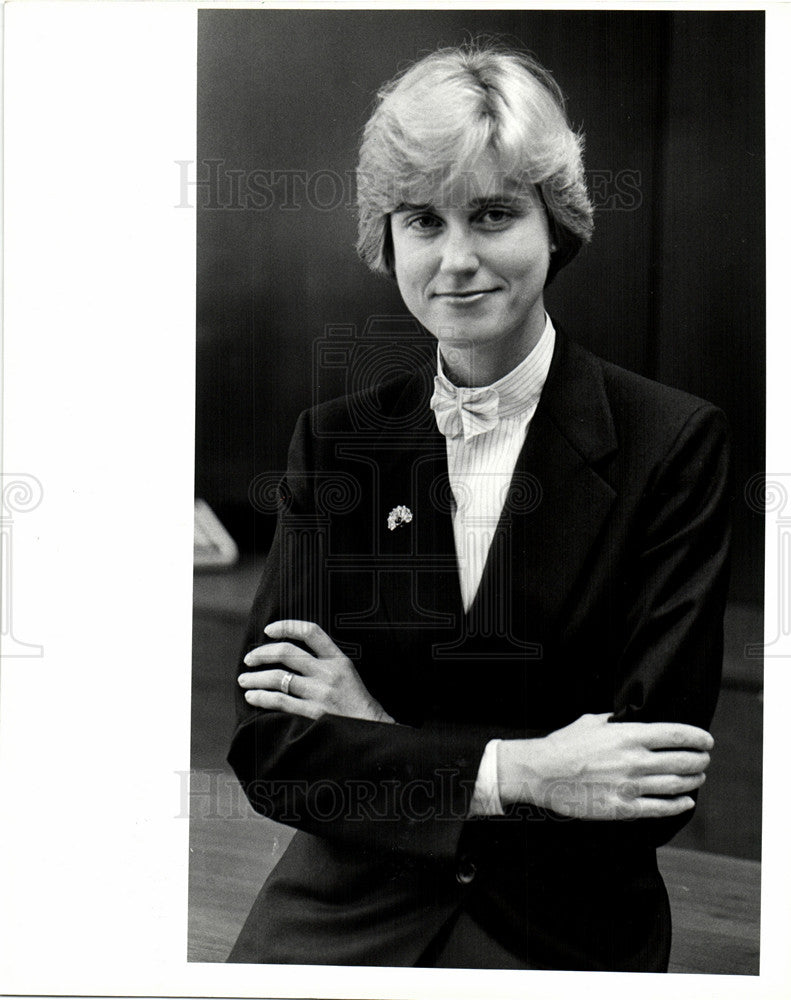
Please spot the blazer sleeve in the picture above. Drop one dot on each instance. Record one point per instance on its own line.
(373, 786)
(670, 667)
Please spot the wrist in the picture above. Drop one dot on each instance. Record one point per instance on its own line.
(520, 770)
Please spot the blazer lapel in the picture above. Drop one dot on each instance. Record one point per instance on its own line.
(557, 501)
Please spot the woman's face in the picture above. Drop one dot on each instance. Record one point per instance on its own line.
(472, 269)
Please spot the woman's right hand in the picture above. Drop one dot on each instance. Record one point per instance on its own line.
(598, 770)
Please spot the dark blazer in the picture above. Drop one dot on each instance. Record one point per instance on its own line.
(603, 592)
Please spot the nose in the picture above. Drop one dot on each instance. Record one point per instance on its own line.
(459, 253)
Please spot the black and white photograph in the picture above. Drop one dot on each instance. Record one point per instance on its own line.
(503, 521)
(395, 500)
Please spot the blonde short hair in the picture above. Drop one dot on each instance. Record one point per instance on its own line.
(432, 124)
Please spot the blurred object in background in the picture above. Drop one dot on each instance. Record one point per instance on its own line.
(214, 548)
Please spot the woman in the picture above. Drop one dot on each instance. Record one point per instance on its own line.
(477, 569)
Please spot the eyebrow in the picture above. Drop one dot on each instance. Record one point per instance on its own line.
(407, 206)
(498, 199)
(475, 204)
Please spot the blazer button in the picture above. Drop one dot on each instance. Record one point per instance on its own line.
(465, 873)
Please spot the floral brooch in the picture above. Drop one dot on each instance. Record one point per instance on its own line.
(398, 515)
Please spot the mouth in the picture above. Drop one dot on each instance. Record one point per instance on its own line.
(466, 297)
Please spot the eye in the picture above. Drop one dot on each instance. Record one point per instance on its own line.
(422, 222)
(496, 216)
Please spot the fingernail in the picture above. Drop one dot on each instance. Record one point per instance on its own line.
(268, 627)
(248, 695)
(242, 678)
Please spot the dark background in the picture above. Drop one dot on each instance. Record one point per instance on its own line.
(673, 285)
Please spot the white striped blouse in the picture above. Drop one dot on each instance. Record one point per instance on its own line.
(480, 470)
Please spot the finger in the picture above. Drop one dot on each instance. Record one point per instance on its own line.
(674, 762)
(649, 808)
(276, 680)
(669, 784)
(308, 632)
(266, 679)
(296, 659)
(670, 735)
(276, 701)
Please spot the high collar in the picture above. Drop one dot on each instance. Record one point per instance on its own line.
(573, 400)
(518, 390)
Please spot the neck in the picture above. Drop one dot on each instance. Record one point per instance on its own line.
(473, 365)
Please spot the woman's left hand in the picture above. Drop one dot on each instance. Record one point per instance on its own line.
(313, 683)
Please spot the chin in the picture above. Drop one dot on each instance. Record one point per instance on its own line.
(482, 335)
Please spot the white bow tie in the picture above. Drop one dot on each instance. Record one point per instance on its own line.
(464, 411)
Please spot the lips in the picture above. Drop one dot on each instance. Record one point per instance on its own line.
(468, 297)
